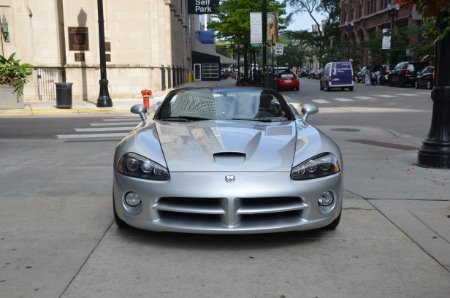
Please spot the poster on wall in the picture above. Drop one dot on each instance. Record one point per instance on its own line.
(203, 6)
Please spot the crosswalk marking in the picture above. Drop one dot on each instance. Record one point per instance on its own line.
(114, 128)
(343, 99)
(364, 97)
(91, 136)
(113, 124)
(320, 100)
(102, 129)
(405, 94)
(119, 119)
(385, 95)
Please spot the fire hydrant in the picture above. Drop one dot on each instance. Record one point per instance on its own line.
(146, 97)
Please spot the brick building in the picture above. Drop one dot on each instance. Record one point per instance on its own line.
(360, 19)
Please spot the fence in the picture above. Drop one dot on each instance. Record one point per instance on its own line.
(46, 79)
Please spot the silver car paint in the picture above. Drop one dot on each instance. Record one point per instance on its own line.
(271, 149)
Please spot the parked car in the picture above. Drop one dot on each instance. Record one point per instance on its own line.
(226, 161)
(404, 73)
(304, 73)
(316, 73)
(287, 81)
(425, 78)
(337, 75)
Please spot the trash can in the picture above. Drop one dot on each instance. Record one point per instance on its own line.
(64, 95)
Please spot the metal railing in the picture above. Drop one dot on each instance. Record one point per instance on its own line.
(46, 79)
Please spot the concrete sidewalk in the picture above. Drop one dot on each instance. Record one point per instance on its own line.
(120, 105)
(58, 238)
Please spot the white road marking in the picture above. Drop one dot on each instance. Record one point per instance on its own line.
(91, 136)
(343, 99)
(320, 100)
(405, 94)
(385, 95)
(119, 120)
(114, 124)
(364, 97)
(101, 129)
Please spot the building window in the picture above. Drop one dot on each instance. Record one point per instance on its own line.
(210, 70)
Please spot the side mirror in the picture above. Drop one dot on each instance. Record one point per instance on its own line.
(308, 109)
(141, 110)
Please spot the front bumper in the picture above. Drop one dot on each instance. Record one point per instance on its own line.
(203, 202)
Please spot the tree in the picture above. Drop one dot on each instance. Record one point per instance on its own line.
(233, 24)
(327, 39)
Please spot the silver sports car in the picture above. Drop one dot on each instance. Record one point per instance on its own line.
(234, 160)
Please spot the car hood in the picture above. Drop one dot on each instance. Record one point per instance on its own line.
(228, 145)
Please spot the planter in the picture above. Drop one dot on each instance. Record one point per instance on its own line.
(8, 99)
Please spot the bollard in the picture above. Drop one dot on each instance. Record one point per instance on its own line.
(146, 97)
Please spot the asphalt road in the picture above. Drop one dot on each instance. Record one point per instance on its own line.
(58, 238)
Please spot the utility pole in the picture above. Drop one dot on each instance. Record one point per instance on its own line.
(103, 101)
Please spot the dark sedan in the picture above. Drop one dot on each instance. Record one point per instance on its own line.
(425, 78)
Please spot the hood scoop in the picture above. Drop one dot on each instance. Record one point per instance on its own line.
(229, 158)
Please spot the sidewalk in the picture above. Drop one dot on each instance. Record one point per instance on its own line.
(120, 105)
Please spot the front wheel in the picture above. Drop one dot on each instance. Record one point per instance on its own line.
(351, 88)
(119, 222)
(333, 225)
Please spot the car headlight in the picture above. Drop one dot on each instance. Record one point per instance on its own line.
(134, 165)
(318, 166)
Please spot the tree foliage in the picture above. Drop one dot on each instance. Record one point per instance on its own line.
(233, 21)
(326, 41)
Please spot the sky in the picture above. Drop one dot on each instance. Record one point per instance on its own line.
(302, 21)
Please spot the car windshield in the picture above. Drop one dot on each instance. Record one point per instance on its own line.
(208, 104)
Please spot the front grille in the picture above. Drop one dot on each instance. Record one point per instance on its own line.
(217, 213)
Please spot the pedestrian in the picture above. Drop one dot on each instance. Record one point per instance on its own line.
(367, 77)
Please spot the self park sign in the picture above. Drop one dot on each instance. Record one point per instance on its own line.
(202, 6)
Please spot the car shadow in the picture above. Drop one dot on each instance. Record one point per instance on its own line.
(220, 242)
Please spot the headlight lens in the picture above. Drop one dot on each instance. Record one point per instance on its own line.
(134, 165)
(319, 166)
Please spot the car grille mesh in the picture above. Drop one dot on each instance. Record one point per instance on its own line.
(251, 213)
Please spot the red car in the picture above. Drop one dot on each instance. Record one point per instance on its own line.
(287, 81)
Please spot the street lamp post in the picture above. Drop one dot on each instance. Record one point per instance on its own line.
(264, 34)
(393, 13)
(435, 150)
(103, 100)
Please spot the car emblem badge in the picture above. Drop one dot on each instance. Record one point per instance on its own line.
(230, 178)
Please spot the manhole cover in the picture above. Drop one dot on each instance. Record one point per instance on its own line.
(345, 129)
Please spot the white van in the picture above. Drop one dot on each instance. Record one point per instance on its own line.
(337, 75)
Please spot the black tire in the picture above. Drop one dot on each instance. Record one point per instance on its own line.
(120, 223)
(351, 88)
(321, 88)
(333, 225)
